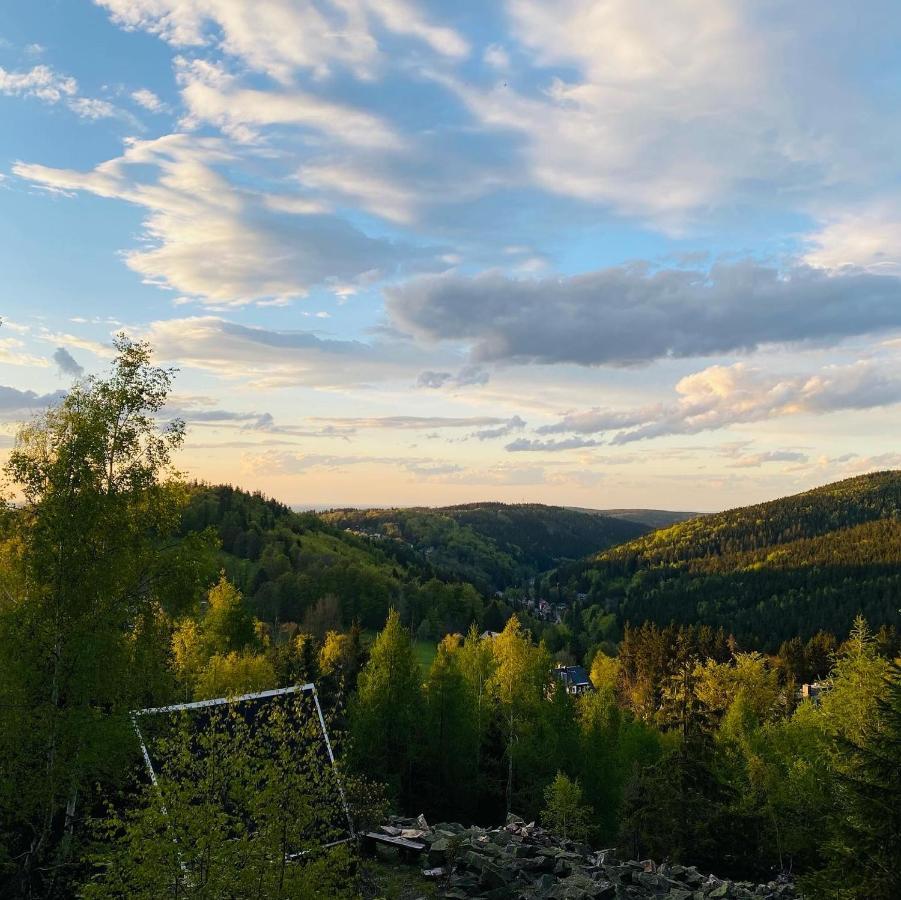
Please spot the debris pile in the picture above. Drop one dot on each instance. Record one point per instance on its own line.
(518, 861)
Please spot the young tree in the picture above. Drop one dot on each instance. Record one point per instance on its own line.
(386, 714)
(93, 556)
(519, 685)
(564, 812)
(232, 674)
(227, 625)
(476, 663)
(451, 731)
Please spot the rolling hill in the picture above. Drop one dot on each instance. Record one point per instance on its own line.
(652, 518)
(491, 545)
(764, 572)
(438, 566)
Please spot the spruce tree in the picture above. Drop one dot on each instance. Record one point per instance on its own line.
(864, 848)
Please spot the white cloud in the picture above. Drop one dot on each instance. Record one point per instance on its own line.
(282, 37)
(267, 358)
(211, 94)
(147, 99)
(209, 238)
(669, 112)
(405, 423)
(868, 237)
(755, 460)
(45, 84)
(384, 196)
(496, 57)
(720, 396)
(41, 82)
(11, 354)
(90, 108)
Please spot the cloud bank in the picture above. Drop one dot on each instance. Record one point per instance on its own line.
(631, 315)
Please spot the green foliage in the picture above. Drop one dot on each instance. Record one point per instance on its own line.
(227, 624)
(232, 674)
(768, 572)
(91, 571)
(232, 808)
(564, 812)
(491, 545)
(518, 685)
(864, 843)
(386, 714)
(451, 727)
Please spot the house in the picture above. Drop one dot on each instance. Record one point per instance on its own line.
(574, 678)
(811, 691)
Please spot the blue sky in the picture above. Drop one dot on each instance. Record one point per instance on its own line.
(594, 252)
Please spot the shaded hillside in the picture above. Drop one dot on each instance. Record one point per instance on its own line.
(653, 518)
(284, 562)
(493, 545)
(765, 572)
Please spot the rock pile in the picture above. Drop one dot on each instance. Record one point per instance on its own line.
(518, 861)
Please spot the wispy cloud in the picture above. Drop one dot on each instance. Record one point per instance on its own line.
(283, 37)
(720, 396)
(46, 84)
(526, 445)
(218, 241)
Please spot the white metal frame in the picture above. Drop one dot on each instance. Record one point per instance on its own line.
(258, 695)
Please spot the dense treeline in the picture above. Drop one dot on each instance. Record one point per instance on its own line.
(689, 748)
(492, 545)
(121, 587)
(767, 572)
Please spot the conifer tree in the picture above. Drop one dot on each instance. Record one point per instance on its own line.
(449, 765)
(519, 685)
(865, 844)
(386, 714)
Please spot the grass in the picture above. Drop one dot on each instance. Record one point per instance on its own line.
(425, 652)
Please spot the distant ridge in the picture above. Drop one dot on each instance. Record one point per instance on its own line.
(653, 518)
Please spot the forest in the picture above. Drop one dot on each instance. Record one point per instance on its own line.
(122, 587)
(785, 568)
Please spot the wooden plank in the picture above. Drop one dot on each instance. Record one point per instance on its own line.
(399, 842)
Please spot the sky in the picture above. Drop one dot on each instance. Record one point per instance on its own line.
(601, 253)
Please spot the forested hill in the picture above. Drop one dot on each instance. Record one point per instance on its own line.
(492, 545)
(653, 518)
(296, 567)
(766, 572)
